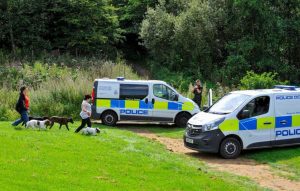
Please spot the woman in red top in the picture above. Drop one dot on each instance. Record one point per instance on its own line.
(22, 106)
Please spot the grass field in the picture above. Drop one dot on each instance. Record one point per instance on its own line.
(170, 131)
(285, 161)
(114, 160)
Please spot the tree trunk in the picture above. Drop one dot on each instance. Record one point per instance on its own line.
(11, 35)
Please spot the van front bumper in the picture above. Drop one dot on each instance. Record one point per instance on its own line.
(208, 141)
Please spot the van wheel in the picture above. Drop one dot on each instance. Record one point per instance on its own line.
(182, 119)
(109, 118)
(230, 148)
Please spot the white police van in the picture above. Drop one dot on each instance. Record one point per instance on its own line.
(245, 120)
(140, 100)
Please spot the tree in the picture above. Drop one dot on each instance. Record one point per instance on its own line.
(183, 41)
(222, 40)
(82, 26)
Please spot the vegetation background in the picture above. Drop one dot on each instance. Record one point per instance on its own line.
(59, 47)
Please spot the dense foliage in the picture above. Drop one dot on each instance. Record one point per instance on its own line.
(63, 25)
(221, 40)
(215, 40)
(256, 81)
(54, 89)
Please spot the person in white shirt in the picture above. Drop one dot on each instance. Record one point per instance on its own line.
(85, 114)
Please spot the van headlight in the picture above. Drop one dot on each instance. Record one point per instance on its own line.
(212, 126)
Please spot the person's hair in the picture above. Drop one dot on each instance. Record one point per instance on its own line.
(86, 97)
(22, 89)
(199, 82)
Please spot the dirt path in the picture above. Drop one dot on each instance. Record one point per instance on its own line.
(260, 173)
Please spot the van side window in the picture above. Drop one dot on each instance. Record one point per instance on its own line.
(255, 107)
(164, 92)
(133, 91)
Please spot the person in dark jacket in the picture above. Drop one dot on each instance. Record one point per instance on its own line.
(198, 93)
(22, 106)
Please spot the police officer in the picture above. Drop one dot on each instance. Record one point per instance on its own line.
(198, 93)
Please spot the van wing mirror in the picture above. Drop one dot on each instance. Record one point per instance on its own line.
(176, 97)
(244, 114)
(205, 108)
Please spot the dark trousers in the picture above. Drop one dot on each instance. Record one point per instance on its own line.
(84, 122)
(197, 100)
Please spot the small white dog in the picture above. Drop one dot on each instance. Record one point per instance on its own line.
(38, 124)
(90, 131)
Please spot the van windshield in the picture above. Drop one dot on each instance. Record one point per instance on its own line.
(228, 104)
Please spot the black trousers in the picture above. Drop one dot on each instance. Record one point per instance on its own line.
(84, 122)
(197, 100)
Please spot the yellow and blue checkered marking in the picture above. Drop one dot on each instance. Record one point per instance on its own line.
(248, 124)
(140, 104)
(261, 123)
(296, 120)
(287, 119)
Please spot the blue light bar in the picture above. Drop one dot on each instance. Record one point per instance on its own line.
(285, 87)
(120, 78)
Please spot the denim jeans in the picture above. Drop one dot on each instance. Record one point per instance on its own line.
(24, 118)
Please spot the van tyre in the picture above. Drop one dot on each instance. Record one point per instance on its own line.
(182, 119)
(109, 118)
(230, 148)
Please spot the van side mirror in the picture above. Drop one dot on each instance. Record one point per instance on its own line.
(244, 114)
(205, 108)
(176, 97)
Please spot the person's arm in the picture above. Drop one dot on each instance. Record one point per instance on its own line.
(84, 109)
(22, 103)
(200, 90)
(196, 89)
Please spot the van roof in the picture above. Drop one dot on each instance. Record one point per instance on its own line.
(130, 81)
(266, 91)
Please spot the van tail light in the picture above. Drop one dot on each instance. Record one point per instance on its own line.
(93, 96)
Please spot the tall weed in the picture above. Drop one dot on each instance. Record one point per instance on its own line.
(56, 90)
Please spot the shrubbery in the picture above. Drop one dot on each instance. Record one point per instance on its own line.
(222, 40)
(260, 81)
(55, 90)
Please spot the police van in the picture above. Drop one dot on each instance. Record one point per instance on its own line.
(246, 120)
(140, 100)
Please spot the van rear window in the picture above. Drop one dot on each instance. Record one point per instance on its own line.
(133, 91)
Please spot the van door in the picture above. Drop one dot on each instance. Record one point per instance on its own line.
(287, 111)
(257, 122)
(134, 102)
(165, 103)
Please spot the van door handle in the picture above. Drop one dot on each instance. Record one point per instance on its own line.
(153, 101)
(283, 122)
(267, 123)
(146, 101)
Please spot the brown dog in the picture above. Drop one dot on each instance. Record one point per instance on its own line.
(61, 121)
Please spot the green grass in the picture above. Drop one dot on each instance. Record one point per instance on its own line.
(170, 131)
(285, 161)
(114, 160)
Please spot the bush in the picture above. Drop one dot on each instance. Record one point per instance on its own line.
(7, 104)
(56, 90)
(259, 81)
